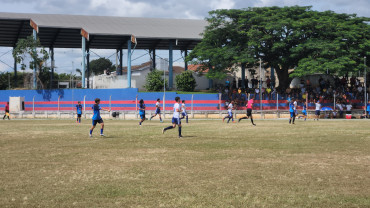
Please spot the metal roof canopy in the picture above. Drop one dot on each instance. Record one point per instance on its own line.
(65, 31)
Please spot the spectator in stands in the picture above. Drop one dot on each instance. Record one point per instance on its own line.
(268, 81)
(349, 108)
(227, 84)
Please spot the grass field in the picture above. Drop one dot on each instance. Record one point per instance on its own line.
(53, 163)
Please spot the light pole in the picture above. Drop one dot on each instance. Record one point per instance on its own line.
(261, 86)
(365, 98)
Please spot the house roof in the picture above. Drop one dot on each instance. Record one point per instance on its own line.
(147, 65)
(64, 31)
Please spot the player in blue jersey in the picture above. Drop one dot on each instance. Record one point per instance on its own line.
(304, 111)
(176, 117)
(141, 111)
(184, 113)
(157, 110)
(292, 112)
(79, 112)
(96, 117)
(368, 109)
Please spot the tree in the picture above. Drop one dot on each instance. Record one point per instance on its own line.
(29, 47)
(154, 81)
(283, 38)
(186, 81)
(98, 66)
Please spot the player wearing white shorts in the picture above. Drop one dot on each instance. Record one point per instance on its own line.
(183, 113)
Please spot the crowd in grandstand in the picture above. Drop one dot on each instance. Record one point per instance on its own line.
(343, 89)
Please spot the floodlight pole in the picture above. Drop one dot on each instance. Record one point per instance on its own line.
(365, 99)
(261, 86)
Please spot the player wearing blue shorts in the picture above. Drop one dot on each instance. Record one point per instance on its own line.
(230, 108)
(184, 113)
(141, 111)
(292, 113)
(96, 117)
(317, 110)
(157, 110)
(176, 117)
(304, 111)
(79, 112)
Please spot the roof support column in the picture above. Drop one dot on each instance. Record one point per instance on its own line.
(88, 67)
(83, 61)
(119, 71)
(35, 65)
(243, 75)
(153, 67)
(51, 66)
(170, 66)
(15, 73)
(186, 63)
(129, 63)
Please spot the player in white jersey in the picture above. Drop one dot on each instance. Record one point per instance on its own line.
(176, 120)
(317, 110)
(295, 107)
(183, 113)
(230, 112)
(157, 110)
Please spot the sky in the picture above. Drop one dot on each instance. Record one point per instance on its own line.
(67, 60)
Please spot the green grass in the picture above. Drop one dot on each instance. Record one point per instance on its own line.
(53, 163)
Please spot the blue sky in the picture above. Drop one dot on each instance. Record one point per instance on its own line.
(179, 9)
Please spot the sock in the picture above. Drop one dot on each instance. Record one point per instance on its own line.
(187, 119)
(140, 123)
(229, 120)
(91, 131)
(79, 120)
(293, 119)
(160, 118)
(252, 121)
(290, 120)
(304, 118)
(243, 118)
(101, 131)
(179, 130)
(169, 127)
(4, 117)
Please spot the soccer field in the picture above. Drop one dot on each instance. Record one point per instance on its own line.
(53, 163)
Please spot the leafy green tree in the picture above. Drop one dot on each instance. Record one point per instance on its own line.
(4, 80)
(283, 38)
(154, 81)
(39, 56)
(186, 81)
(98, 66)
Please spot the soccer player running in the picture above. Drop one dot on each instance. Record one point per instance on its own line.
(292, 112)
(176, 117)
(317, 110)
(7, 111)
(96, 117)
(79, 112)
(183, 113)
(249, 111)
(157, 110)
(141, 111)
(230, 112)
